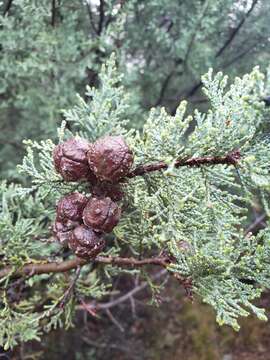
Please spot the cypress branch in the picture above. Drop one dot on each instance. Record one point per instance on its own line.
(230, 159)
(64, 266)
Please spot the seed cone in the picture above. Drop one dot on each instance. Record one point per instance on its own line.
(101, 214)
(110, 158)
(85, 242)
(71, 206)
(70, 159)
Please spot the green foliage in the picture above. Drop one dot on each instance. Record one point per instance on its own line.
(205, 207)
(107, 111)
(208, 208)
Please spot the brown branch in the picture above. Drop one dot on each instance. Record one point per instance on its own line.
(196, 87)
(167, 81)
(236, 30)
(198, 84)
(70, 289)
(7, 7)
(160, 261)
(114, 321)
(101, 17)
(164, 87)
(90, 14)
(255, 224)
(229, 159)
(266, 101)
(53, 16)
(185, 60)
(56, 267)
(239, 56)
(121, 299)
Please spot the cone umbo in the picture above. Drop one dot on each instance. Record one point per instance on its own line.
(70, 160)
(101, 214)
(85, 242)
(110, 158)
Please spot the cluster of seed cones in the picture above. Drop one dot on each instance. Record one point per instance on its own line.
(82, 221)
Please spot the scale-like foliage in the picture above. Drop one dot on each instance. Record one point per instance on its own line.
(198, 215)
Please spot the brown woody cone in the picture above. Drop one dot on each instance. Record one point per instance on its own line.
(85, 242)
(70, 159)
(71, 206)
(101, 214)
(110, 158)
